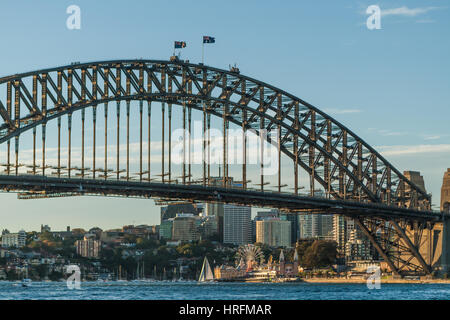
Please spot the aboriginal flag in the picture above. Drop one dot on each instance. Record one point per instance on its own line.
(207, 39)
(180, 44)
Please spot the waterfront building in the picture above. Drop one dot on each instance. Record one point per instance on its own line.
(251, 268)
(14, 240)
(89, 247)
(274, 232)
(237, 224)
(229, 272)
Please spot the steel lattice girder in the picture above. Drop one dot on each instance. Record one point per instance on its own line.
(324, 148)
(362, 172)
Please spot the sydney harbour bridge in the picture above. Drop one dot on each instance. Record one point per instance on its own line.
(51, 145)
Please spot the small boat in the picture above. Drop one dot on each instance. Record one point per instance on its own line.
(26, 282)
(206, 275)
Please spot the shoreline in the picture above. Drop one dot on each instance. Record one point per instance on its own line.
(383, 281)
(281, 280)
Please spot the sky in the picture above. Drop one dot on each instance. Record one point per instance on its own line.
(390, 85)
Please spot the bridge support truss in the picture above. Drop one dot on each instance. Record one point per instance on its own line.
(334, 158)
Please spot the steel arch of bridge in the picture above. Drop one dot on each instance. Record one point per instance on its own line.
(342, 163)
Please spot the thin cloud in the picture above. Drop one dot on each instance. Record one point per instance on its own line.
(425, 21)
(414, 149)
(387, 133)
(432, 137)
(407, 12)
(342, 111)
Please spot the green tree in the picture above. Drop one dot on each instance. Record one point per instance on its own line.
(320, 254)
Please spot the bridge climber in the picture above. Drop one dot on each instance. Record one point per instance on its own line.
(393, 212)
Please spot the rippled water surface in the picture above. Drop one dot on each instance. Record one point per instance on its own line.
(231, 291)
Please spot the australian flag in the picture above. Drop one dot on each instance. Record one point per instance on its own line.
(207, 39)
(180, 44)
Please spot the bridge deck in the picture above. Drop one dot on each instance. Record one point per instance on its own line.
(289, 202)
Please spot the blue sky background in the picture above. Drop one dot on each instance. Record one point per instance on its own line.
(390, 86)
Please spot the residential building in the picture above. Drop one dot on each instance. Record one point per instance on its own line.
(14, 240)
(89, 247)
(237, 224)
(340, 233)
(293, 219)
(274, 232)
(316, 226)
(358, 247)
(262, 215)
(326, 227)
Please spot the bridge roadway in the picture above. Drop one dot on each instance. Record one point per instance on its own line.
(200, 193)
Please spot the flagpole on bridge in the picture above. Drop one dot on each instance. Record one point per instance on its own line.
(206, 39)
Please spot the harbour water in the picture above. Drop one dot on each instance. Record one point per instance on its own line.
(217, 291)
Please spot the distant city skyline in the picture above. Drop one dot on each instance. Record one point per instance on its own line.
(389, 86)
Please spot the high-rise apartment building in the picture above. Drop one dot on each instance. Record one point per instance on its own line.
(16, 240)
(89, 247)
(165, 229)
(274, 232)
(293, 219)
(185, 227)
(316, 226)
(237, 224)
(216, 210)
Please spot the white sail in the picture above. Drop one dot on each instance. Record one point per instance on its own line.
(206, 274)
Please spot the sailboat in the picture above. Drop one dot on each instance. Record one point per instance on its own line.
(206, 275)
